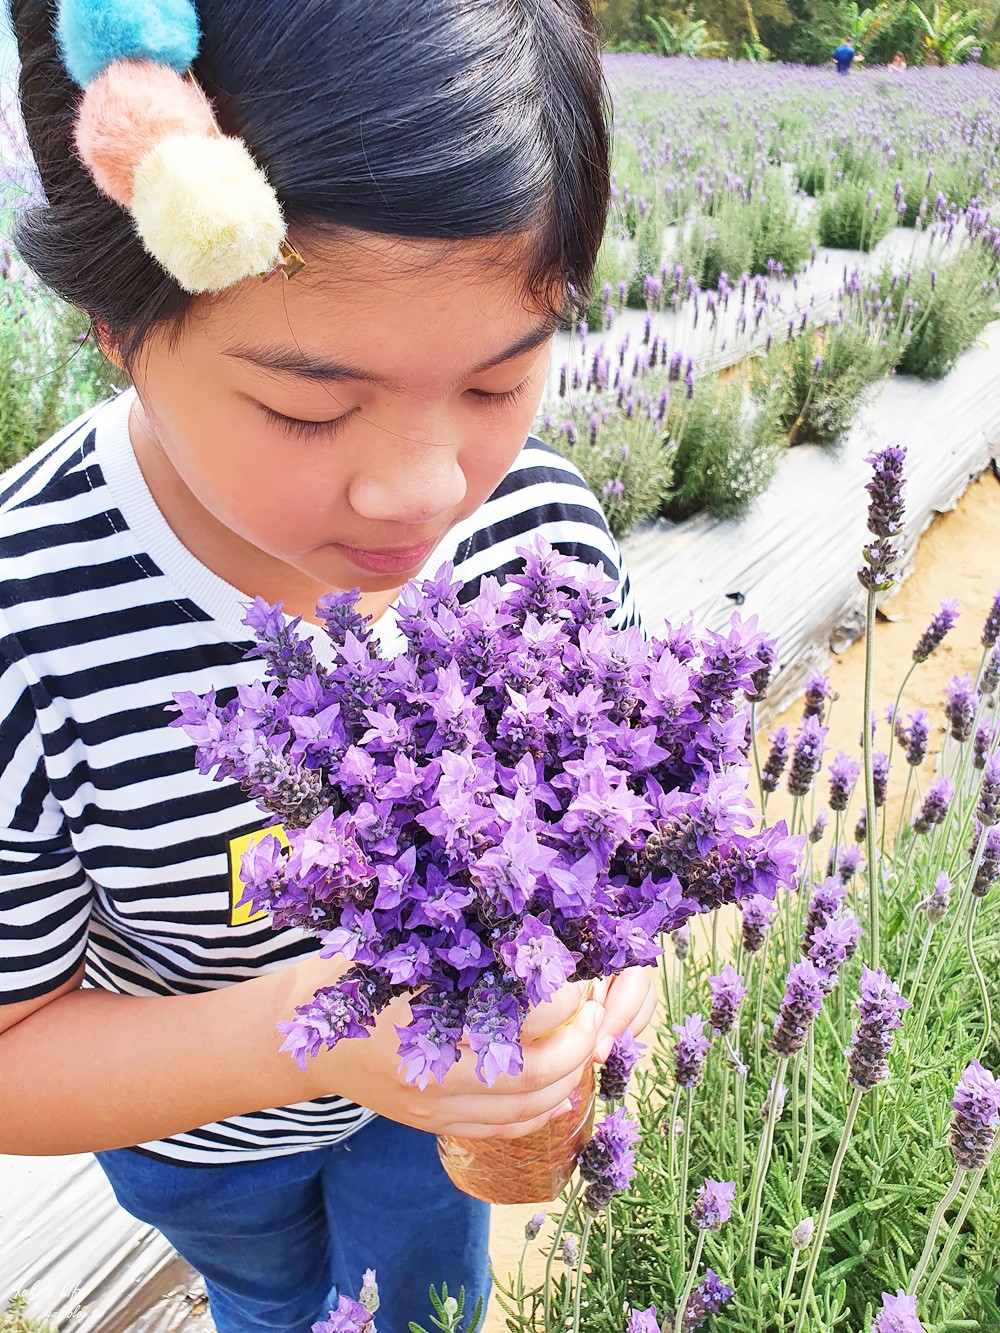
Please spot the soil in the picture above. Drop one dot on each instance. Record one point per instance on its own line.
(958, 557)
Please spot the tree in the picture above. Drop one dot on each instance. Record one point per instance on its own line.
(948, 33)
(686, 37)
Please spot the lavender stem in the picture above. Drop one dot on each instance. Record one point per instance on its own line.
(689, 1285)
(824, 1219)
(763, 1158)
(873, 871)
(935, 1226)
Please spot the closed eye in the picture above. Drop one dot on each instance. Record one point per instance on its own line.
(504, 399)
(306, 430)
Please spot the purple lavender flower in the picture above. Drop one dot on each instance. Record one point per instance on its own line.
(983, 744)
(804, 992)
(871, 1041)
(835, 944)
(757, 914)
(845, 862)
(616, 1071)
(880, 778)
(690, 1051)
(534, 1224)
(776, 760)
(570, 1251)
(608, 1160)
(936, 904)
(711, 1209)
(990, 676)
(728, 992)
(989, 866)
(977, 1116)
(917, 733)
(844, 773)
(818, 830)
(349, 1317)
(991, 628)
(537, 957)
(781, 1094)
(802, 1234)
(807, 756)
(707, 1299)
(826, 903)
(642, 1321)
(861, 827)
(960, 708)
(935, 805)
(988, 810)
(681, 940)
(899, 1315)
(934, 634)
(885, 517)
(817, 691)
(760, 679)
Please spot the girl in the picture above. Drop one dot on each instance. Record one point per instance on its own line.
(441, 166)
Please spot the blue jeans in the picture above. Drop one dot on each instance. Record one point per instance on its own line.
(279, 1239)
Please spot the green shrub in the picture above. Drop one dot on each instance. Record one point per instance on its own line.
(742, 236)
(856, 216)
(14, 1320)
(820, 381)
(953, 303)
(51, 370)
(724, 453)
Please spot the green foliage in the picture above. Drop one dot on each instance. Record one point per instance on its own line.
(742, 235)
(449, 1312)
(897, 1164)
(821, 381)
(865, 25)
(14, 1320)
(725, 452)
(688, 37)
(948, 33)
(50, 368)
(856, 216)
(953, 303)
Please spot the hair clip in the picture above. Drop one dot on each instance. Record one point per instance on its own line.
(147, 134)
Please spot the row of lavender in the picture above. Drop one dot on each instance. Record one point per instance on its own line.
(712, 258)
(834, 1172)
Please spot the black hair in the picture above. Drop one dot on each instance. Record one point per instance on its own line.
(435, 119)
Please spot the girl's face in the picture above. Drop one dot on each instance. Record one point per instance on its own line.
(325, 433)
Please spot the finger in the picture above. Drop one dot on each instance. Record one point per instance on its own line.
(626, 1000)
(552, 1014)
(551, 1058)
(498, 1110)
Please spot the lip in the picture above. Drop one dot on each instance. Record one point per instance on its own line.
(398, 560)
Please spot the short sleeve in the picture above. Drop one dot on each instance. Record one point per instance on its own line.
(45, 894)
(545, 495)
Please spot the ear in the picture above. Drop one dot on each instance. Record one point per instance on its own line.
(108, 344)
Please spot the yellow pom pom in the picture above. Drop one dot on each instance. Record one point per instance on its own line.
(207, 212)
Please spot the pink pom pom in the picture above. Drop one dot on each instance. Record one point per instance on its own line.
(125, 113)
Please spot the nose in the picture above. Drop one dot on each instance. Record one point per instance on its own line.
(411, 482)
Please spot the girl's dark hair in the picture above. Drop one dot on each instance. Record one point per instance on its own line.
(447, 119)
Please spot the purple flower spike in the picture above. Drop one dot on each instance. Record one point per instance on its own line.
(767, 653)
(757, 914)
(804, 993)
(844, 773)
(827, 902)
(608, 1160)
(917, 733)
(935, 805)
(817, 692)
(807, 756)
(989, 867)
(780, 1093)
(707, 1299)
(728, 992)
(349, 1317)
(899, 1315)
(934, 634)
(642, 1321)
(885, 517)
(712, 1209)
(617, 1070)
(835, 944)
(988, 811)
(991, 629)
(776, 760)
(534, 1224)
(871, 1042)
(880, 778)
(690, 1051)
(960, 706)
(818, 830)
(936, 904)
(977, 1116)
(983, 744)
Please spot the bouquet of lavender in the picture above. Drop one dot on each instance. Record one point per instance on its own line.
(524, 797)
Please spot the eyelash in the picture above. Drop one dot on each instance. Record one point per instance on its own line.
(311, 430)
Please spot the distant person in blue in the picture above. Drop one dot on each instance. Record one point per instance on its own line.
(844, 57)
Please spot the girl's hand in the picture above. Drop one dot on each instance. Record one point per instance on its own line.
(367, 1071)
(629, 1002)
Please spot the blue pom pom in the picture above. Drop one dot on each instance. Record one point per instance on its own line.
(92, 34)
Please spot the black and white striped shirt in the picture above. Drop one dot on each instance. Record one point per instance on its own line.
(113, 848)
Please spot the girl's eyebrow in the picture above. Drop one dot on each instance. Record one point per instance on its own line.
(294, 361)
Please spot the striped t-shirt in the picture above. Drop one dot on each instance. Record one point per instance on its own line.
(114, 849)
